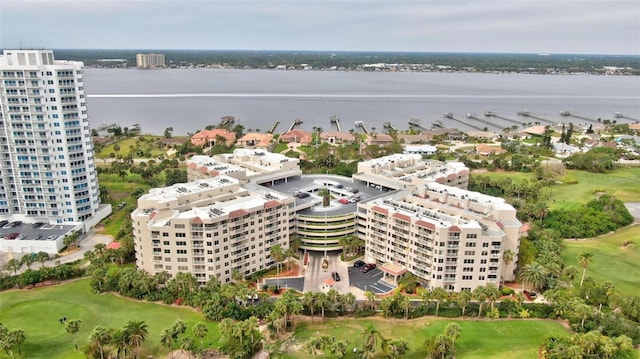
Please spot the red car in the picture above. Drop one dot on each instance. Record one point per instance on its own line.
(12, 235)
(343, 201)
(368, 267)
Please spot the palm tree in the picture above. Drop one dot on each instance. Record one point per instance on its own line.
(370, 334)
(137, 332)
(17, 338)
(439, 294)
(200, 331)
(42, 257)
(425, 295)
(584, 258)
(120, 343)
(99, 338)
(492, 294)
(14, 265)
(350, 300)
(166, 339)
(394, 349)
(73, 327)
(326, 196)
(533, 274)
(277, 254)
(28, 260)
(480, 294)
(322, 301)
(371, 297)
(452, 332)
(462, 299)
(309, 301)
(507, 258)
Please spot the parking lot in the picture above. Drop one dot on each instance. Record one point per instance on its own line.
(371, 281)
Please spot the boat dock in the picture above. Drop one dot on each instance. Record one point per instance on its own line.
(273, 128)
(415, 123)
(296, 122)
(336, 121)
(493, 114)
(569, 114)
(540, 119)
(449, 115)
(473, 116)
(360, 124)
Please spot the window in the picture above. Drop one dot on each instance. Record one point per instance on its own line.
(467, 277)
(485, 245)
(469, 261)
(472, 236)
(469, 253)
(181, 251)
(470, 244)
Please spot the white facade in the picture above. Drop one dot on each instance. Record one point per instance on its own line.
(46, 153)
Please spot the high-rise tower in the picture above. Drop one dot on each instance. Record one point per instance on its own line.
(46, 154)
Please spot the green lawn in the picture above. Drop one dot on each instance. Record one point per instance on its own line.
(621, 183)
(129, 142)
(611, 261)
(478, 339)
(37, 312)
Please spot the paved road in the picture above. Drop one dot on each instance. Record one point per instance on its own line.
(86, 243)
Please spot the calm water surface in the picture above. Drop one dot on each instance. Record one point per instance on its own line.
(188, 100)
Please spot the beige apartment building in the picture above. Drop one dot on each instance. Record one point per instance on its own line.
(415, 216)
(210, 228)
(448, 237)
(150, 61)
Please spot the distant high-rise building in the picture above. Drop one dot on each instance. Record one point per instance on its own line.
(149, 61)
(46, 153)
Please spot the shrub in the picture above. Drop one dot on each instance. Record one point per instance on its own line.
(507, 291)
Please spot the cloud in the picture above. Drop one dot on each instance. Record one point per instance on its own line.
(492, 26)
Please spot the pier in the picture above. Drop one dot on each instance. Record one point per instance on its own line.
(360, 124)
(473, 116)
(389, 127)
(105, 127)
(296, 122)
(449, 115)
(568, 114)
(415, 123)
(493, 114)
(336, 121)
(227, 121)
(540, 119)
(273, 128)
(619, 115)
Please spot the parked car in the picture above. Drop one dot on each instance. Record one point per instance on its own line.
(21, 237)
(335, 276)
(358, 263)
(12, 235)
(354, 190)
(2, 235)
(38, 224)
(15, 223)
(368, 267)
(303, 195)
(344, 201)
(3, 223)
(339, 186)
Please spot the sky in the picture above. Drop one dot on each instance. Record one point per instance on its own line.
(494, 26)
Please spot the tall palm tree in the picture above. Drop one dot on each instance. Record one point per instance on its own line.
(309, 301)
(493, 294)
(452, 332)
(326, 196)
(200, 331)
(17, 338)
(462, 299)
(166, 339)
(507, 258)
(277, 254)
(370, 334)
(14, 265)
(120, 343)
(371, 297)
(322, 301)
(439, 294)
(350, 300)
(480, 294)
(533, 274)
(136, 332)
(73, 327)
(99, 338)
(584, 258)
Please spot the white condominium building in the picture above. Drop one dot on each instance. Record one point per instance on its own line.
(210, 228)
(46, 154)
(245, 165)
(150, 61)
(402, 171)
(448, 237)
